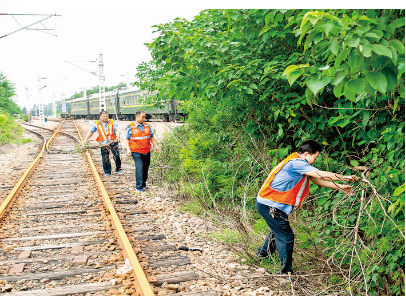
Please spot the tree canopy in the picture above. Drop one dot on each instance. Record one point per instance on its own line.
(7, 105)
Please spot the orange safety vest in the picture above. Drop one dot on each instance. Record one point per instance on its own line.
(102, 135)
(294, 196)
(140, 140)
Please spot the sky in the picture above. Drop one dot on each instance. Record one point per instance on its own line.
(85, 29)
(83, 32)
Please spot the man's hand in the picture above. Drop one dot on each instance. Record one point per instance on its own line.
(347, 189)
(157, 149)
(128, 152)
(353, 178)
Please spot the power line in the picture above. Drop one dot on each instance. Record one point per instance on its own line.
(22, 28)
(94, 73)
(29, 14)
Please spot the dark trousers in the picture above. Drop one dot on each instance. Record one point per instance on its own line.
(280, 237)
(105, 152)
(141, 162)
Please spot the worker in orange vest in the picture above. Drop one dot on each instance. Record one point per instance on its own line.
(285, 188)
(139, 137)
(107, 131)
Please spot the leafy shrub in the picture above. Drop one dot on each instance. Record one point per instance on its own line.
(255, 83)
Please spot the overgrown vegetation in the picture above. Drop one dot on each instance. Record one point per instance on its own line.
(7, 105)
(255, 83)
(10, 131)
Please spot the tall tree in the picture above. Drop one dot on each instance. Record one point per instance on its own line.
(7, 91)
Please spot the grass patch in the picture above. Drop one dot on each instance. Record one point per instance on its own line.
(226, 235)
(191, 207)
(26, 140)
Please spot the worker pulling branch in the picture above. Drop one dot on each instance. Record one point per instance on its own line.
(108, 138)
(285, 188)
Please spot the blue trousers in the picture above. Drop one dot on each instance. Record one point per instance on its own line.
(105, 152)
(280, 237)
(141, 162)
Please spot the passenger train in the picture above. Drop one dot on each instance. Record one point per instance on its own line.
(123, 103)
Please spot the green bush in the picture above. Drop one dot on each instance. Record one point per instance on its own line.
(10, 131)
(255, 83)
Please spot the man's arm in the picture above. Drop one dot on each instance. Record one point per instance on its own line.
(154, 143)
(342, 187)
(118, 134)
(117, 131)
(89, 134)
(127, 145)
(329, 176)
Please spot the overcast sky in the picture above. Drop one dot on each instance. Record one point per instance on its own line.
(117, 32)
(86, 28)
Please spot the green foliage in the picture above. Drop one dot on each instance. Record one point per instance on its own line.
(255, 83)
(10, 131)
(7, 105)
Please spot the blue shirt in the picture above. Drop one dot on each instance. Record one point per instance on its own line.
(290, 174)
(140, 126)
(93, 129)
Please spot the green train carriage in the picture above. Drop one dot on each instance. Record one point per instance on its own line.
(79, 108)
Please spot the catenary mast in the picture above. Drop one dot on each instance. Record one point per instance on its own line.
(102, 97)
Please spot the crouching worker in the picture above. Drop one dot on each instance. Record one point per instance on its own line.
(107, 131)
(139, 138)
(285, 188)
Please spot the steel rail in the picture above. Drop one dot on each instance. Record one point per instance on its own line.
(53, 136)
(10, 197)
(141, 283)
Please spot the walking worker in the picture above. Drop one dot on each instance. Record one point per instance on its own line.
(139, 138)
(285, 188)
(107, 131)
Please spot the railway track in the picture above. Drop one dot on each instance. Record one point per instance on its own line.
(61, 234)
(16, 169)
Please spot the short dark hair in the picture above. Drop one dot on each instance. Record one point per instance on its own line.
(310, 146)
(103, 111)
(139, 112)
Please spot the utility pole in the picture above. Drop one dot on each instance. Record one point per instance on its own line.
(53, 105)
(40, 106)
(102, 97)
(26, 93)
(27, 104)
(128, 80)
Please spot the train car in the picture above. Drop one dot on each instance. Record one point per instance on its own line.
(65, 109)
(79, 108)
(130, 101)
(33, 110)
(111, 105)
(48, 109)
(122, 104)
